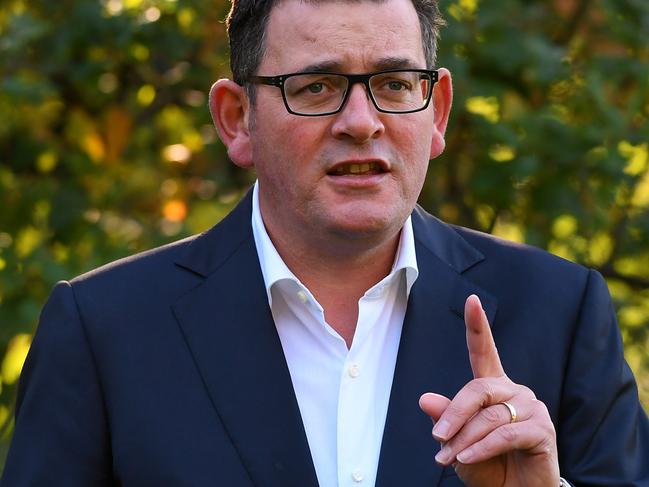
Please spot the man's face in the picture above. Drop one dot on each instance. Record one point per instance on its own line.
(355, 174)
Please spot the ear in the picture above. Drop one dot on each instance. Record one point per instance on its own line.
(442, 100)
(229, 107)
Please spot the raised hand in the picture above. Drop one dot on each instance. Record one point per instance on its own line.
(494, 432)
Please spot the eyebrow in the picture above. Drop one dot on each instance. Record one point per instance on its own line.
(396, 63)
(382, 64)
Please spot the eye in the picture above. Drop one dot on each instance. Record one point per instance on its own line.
(312, 85)
(315, 88)
(391, 84)
(396, 85)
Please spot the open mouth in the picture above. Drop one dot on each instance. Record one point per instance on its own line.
(364, 169)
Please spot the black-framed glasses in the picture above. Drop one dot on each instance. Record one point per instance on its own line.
(314, 94)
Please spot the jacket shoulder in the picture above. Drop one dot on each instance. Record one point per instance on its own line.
(515, 254)
(142, 262)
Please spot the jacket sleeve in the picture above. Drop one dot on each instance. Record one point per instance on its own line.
(603, 432)
(61, 432)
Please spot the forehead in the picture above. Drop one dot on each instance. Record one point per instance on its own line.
(354, 36)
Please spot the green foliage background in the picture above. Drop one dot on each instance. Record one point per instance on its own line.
(107, 148)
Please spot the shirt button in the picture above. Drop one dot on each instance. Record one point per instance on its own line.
(303, 297)
(354, 371)
(357, 476)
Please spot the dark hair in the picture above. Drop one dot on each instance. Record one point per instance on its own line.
(247, 22)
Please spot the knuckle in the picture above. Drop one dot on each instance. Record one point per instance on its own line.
(491, 415)
(508, 433)
(484, 389)
(476, 386)
(506, 381)
(549, 447)
(456, 411)
(547, 444)
(539, 409)
(489, 395)
(526, 392)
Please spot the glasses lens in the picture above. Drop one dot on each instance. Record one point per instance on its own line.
(313, 94)
(401, 91)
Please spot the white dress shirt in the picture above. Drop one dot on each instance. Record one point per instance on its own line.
(342, 393)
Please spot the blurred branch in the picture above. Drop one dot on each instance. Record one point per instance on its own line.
(7, 424)
(633, 281)
(620, 221)
(573, 24)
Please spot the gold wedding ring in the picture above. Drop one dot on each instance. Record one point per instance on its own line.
(512, 411)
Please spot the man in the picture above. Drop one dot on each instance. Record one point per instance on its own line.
(295, 343)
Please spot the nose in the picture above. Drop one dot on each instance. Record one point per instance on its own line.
(359, 119)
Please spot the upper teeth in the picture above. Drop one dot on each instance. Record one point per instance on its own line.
(356, 168)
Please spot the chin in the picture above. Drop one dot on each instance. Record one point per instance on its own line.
(367, 227)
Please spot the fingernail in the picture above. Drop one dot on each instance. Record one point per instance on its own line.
(441, 429)
(444, 455)
(465, 456)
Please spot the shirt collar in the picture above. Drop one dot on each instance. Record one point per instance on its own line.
(275, 270)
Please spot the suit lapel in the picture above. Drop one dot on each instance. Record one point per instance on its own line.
(229, 329)
(432, 353)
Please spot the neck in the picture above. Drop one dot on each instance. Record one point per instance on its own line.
(350, 269)
(338, 275)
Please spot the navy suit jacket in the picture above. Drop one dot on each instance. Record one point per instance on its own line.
(165, 369)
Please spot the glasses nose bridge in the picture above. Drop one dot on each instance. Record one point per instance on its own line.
(354, 79)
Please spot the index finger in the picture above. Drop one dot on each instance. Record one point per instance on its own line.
(483, 354)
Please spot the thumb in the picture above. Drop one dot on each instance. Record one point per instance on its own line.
(433, 404)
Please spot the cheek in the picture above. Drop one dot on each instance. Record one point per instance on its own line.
(414, 151)
(278, 162)
(413, 132)
(414, 147)
(276, 176)
(282, 136)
